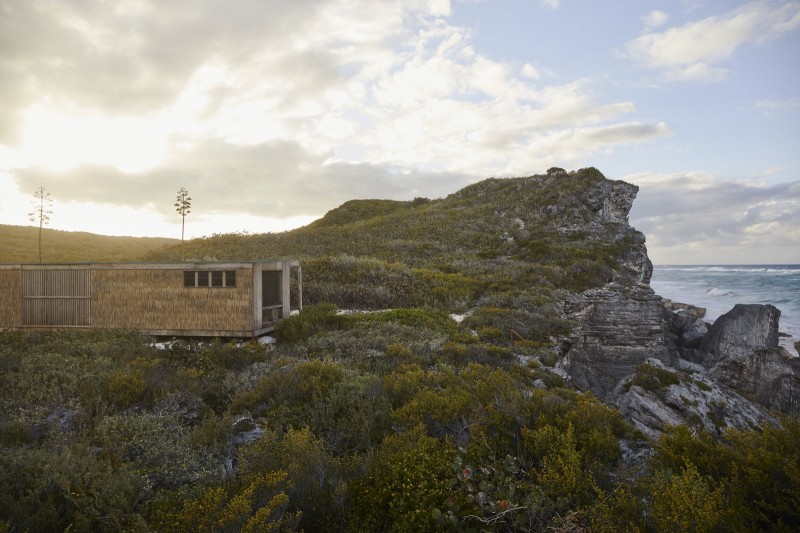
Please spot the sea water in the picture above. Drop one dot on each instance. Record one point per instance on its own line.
(718, 288)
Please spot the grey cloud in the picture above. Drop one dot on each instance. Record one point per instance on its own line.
(276, 179)
(722, 213)
(100, 56)
(630, 132)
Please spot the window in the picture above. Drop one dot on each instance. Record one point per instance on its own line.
(209, 278)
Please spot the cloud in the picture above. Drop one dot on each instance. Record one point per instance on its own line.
(769, 107)
(277, 179)
(529, 71)
(692, 52)
(695, 217)
(771, 171)
(552, 4)
(654, 19)
(440, 8)
(278, 108)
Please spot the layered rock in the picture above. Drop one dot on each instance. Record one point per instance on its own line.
(611, 202)
(617, 331)
(621, 325)
(741, 350)
(737, 368)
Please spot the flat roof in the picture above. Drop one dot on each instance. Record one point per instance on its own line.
(180, 265)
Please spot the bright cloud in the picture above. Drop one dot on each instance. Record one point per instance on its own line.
(654, 19)
(359, 98)
(60, 141)
(692, 52)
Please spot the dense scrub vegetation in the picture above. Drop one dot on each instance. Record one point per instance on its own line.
(398, 419)
(402, 420)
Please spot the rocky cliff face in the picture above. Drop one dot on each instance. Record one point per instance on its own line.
(617, 331)
(660, 363)
(621, 325)
(656, 396)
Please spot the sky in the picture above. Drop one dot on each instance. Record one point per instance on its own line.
(272, 113)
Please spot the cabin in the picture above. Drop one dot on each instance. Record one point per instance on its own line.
(209, 299)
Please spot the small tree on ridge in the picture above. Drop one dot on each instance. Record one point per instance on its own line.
(183, 204)
(42, 202)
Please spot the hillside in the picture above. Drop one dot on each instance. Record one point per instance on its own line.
(20, 244)
(513, 244)
(516, 374)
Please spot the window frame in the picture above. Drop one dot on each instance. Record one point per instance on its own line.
(205, 279)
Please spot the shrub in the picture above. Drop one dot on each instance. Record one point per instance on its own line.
(405, 480)
(124, 390)
(315, 479)
(686, 501)
(652, 379)
(254, 504)
(311, 320)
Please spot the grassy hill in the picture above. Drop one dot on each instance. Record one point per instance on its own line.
(512, 245)
(20, 244)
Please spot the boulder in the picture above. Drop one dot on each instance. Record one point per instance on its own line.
(688, 328)
(742, 331)
(698, 312)
(657, 396)
(246, 430)
(741, 350)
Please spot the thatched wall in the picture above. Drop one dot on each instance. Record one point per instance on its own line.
(10, 291)
(155, 299)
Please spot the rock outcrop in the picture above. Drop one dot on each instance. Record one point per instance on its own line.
(717, 376)
(657, 396)
(741, 350)
(617, 331)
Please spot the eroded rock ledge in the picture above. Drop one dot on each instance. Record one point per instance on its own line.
(659, 362)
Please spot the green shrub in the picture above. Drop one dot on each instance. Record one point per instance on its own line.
(68, 486)
(253, 504)
(315, 479)
(405, 480)
(124, 390)
(686, 501)
(652, 379)
(311, 320)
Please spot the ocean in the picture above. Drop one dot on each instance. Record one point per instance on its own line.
(718, 288)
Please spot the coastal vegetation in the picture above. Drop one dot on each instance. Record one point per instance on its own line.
(416, 391)
(404, 420)
(19, 244)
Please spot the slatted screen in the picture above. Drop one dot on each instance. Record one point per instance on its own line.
(56, 298)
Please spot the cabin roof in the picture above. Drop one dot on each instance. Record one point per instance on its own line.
(145, 265)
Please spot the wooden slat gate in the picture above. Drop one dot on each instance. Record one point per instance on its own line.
(56, 298)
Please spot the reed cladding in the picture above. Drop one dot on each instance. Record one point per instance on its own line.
(149, 299)
(10, 298)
